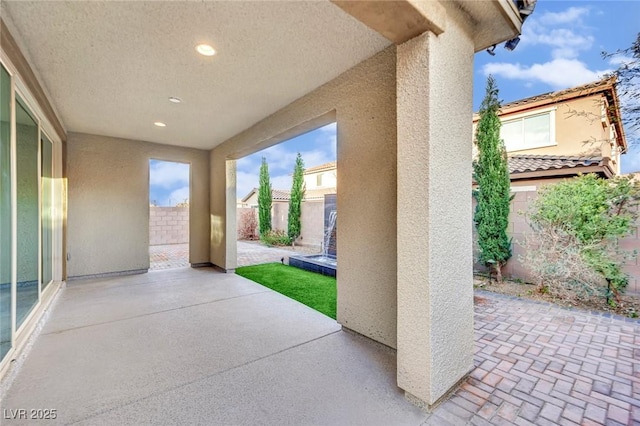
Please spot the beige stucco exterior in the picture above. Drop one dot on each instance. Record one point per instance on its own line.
(404, 235)
(581, 129)
(327, 178)
(108, 219)
(362, 101)
(435, 295)
(585, 122)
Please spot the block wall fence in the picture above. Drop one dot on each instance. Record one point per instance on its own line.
(168, 225)
(518, 228)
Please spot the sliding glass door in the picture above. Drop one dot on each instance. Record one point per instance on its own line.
(27, 171)
(5, 212)
(47, 211)
(30, 236)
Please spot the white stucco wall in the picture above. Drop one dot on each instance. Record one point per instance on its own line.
(108, 207)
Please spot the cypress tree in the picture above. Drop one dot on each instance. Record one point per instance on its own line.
(491, 173)
(264, 199)
(297, 194)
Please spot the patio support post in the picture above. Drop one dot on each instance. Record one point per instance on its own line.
(223, 244)
(435, 291)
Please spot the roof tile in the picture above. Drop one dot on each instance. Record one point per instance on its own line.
(534, 163)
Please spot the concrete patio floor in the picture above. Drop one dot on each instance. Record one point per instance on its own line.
(194, 346)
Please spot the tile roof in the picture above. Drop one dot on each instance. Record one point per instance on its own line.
(280, 194)
(325, 166)
(534, 163)
(285, 194)
(588, 88)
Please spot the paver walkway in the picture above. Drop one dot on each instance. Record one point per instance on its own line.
(254, 253)
(172, 256)
(169, 256)
(540, 364)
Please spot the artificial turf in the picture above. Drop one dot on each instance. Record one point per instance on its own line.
(314, 290)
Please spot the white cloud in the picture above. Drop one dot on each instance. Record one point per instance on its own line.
(245, 182)
(281, 182)
(328, 136)
(179, 195)
(320, 149)
(558, 73)
(330, 128)
(630, 162)
(570, 15)
(565, 42)
(167, 174)
(618, 60)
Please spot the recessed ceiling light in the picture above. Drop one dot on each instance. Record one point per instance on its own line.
(175, 100)
(205, 49)
(160, 124)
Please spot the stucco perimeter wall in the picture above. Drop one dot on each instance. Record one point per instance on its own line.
(168, 225)
(519, 228)
(363, 102)
(108, 210)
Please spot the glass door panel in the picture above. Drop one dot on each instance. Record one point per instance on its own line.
(27, 144)
(47, 216)
(5, 212)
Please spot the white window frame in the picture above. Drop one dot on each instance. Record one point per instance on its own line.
(551, 111)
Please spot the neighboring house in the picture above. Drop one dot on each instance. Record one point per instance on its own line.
(322, 176)
(319, 181)
(560, 134)
(556, 136)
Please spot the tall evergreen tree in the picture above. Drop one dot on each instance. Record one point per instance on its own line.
(264, 198)
(297, 194)
(491, 173)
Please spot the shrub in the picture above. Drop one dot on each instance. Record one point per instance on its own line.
(297, 194)
(578, 224)
(275, 238)
(248, 229)
(491, 173)
(264, 198)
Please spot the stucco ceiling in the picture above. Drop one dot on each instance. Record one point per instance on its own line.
(110, 67)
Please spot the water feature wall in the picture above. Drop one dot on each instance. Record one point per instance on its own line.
(330, 215)
(325, 263)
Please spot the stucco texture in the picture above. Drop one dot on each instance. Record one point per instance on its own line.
(108, 207)
(435, 291)
(363, 102)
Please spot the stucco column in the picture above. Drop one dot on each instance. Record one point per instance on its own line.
(435, 291)
(223, 245)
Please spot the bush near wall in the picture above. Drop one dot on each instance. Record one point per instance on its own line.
(247, 224)
(519, 229)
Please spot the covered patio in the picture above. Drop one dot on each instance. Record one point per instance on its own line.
(91, 91)
(196, 346)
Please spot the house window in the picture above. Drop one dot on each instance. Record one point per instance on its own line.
(533, 131)
(319, 179)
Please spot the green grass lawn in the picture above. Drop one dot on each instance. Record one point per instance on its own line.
(314, 290)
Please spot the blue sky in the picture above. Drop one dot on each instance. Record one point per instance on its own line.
(316, 147)
(168, 183)
(560, 47)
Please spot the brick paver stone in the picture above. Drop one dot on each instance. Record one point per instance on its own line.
(541, 364)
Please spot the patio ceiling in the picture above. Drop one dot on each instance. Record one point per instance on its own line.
(110, 67)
